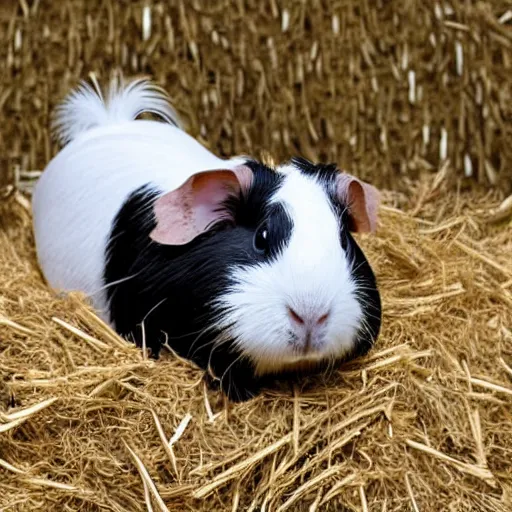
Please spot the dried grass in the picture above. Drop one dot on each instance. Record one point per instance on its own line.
(385, 88)
(424, 422)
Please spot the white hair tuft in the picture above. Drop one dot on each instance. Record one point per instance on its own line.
(86, 108)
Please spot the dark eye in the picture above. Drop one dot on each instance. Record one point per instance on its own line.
(261, 239)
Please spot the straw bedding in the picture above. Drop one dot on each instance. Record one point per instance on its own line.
(424, 422)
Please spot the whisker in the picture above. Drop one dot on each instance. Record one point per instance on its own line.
(217, 342)
(370, 315)
(354, 270)
(201, 332)
(211, 342)
(113, 283)
(366, 288)
(229, 368)
(153, 309)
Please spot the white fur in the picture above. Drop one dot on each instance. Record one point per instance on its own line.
(85, 108)
(312, 276)
(84, 186)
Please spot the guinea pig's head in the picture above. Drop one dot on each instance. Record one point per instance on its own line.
(283, 282)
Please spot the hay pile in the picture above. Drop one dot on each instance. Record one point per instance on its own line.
(384, 88)
(424, 422)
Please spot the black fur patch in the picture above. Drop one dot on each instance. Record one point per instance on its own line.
(171, 289)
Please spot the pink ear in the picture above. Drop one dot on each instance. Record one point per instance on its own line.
(184, 213)
(362, 200)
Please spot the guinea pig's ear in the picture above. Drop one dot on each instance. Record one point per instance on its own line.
(362, 200)
(183, 214)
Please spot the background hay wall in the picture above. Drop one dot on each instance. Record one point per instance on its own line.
(384, 88)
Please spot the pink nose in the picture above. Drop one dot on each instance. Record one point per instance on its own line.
(311, 320)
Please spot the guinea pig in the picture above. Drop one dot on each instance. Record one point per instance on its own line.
(249, 271)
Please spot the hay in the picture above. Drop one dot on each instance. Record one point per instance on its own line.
(386, 89)
(423, 422)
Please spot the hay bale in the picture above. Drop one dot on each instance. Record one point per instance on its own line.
(423, 422)
(385, 89)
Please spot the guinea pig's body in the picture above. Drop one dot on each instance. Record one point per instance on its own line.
(246, 270)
